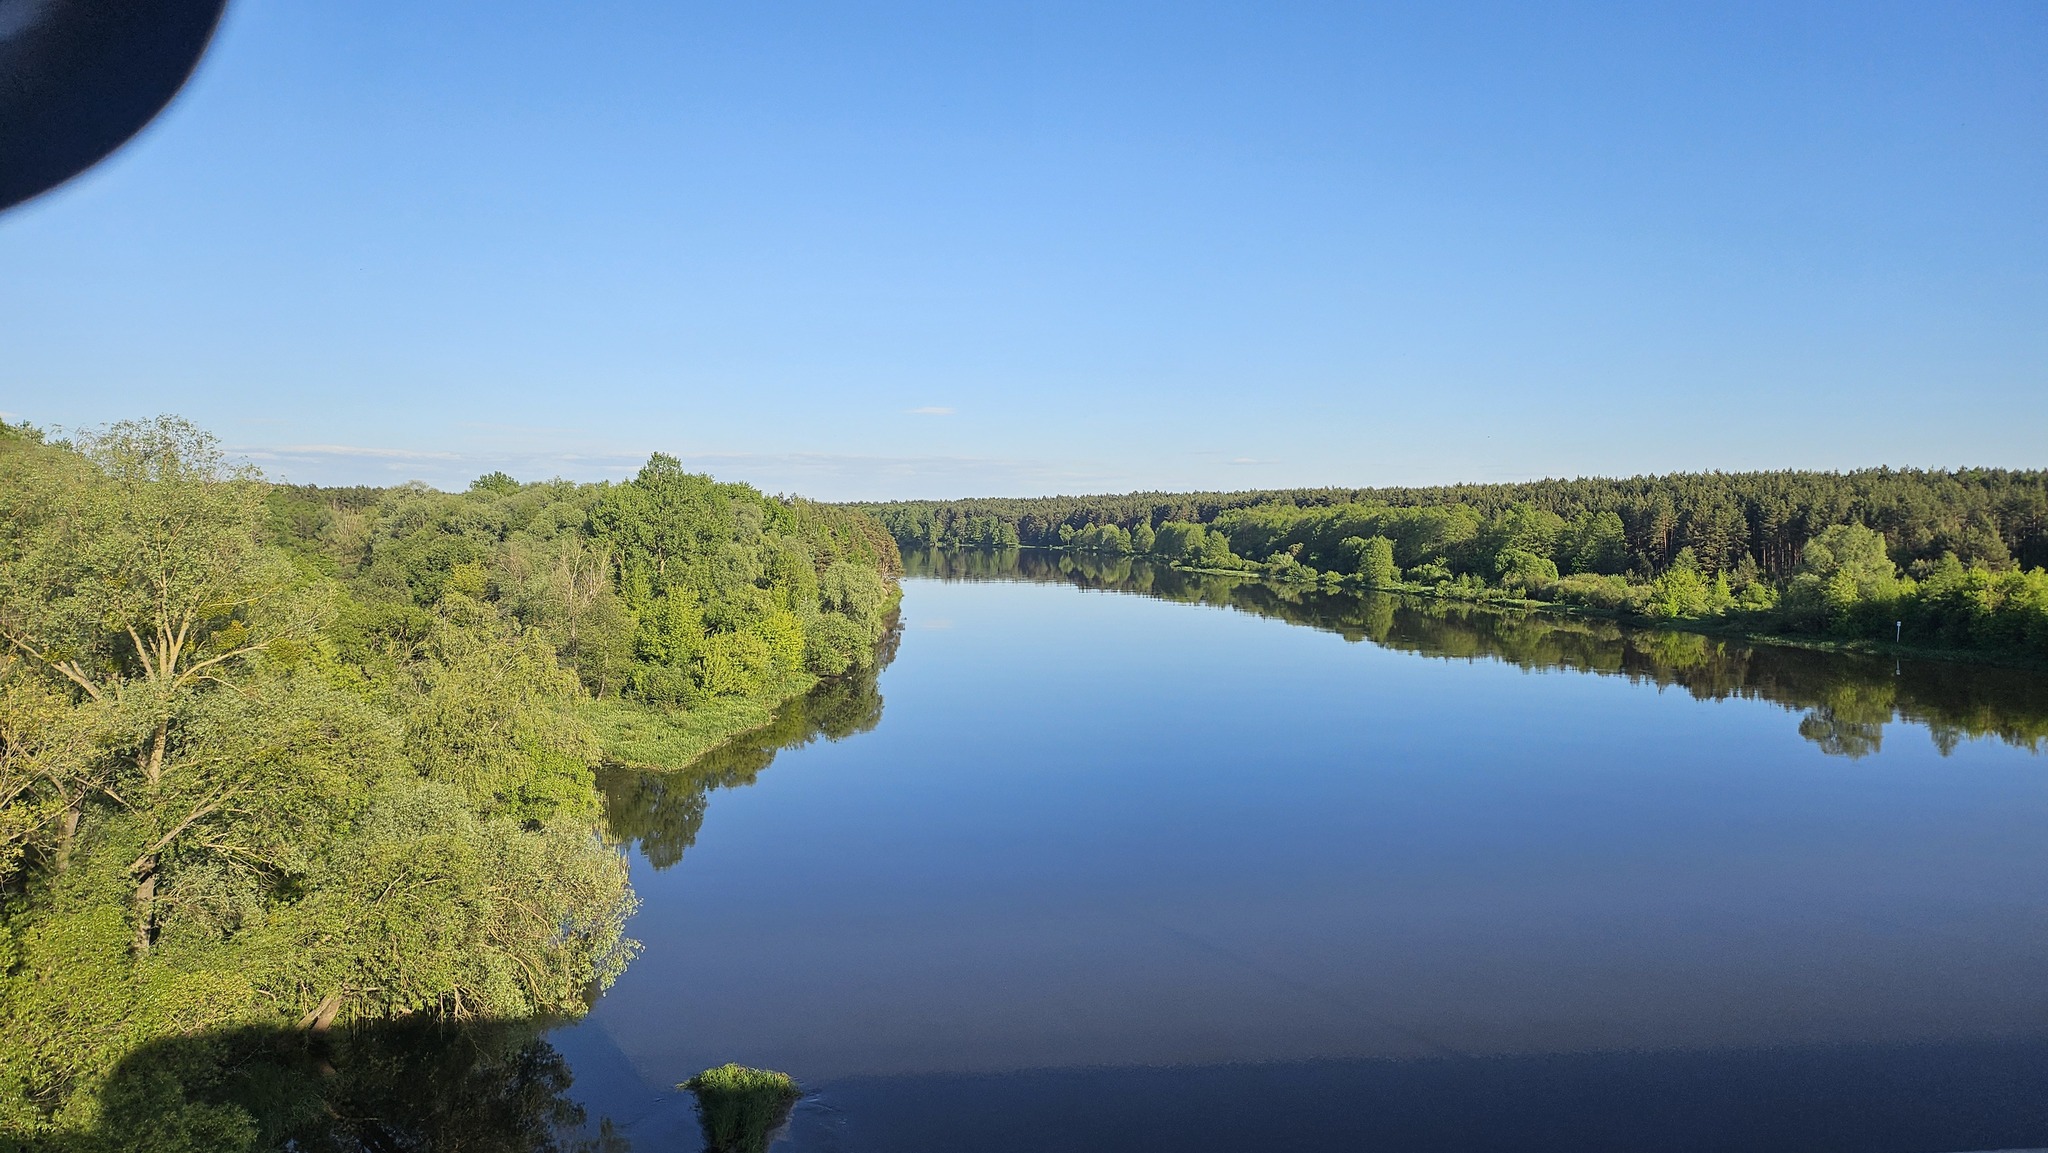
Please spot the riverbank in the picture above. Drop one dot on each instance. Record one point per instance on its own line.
(639, 735)
(1702, 626)
(659, 738)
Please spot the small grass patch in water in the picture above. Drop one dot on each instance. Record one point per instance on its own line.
(740, 1107)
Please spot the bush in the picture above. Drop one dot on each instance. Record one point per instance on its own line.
(739, 1107)
(1595, 591)
(1431, 572)
(1372, 559)
(1521, 569)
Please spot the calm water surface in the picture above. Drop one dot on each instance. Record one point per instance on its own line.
(1087, 870)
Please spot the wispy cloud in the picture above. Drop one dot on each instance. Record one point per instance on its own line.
(342, 463)
(823, 475)
(930, 410)
(849, 476)
(349, 450)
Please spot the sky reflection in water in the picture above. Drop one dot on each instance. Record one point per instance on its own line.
(1131, 846)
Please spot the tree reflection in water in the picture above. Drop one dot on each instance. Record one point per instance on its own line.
(1846, 699)
(661, 812)
(406, 1085)
(423, 1085)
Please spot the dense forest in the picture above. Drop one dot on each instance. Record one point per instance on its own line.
(1949, 560)
(285, 762)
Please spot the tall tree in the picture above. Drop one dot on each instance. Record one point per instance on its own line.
(141, 583)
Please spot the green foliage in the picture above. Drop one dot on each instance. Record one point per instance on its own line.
(1285, 566)
(1993, 517)
(1852, 554)
(1435, 571)
(1104, 538)
(1371, 559)
(741, 1107)
(637, 733)
(493, 714)
(734, 593)
(496, 483)
(1973, 607)
(732, 1079)
(1143, 537)
(1608, 593)
(431, 907)
(660, 810)
(1520, 528)
(1594, 543)
(1771, 552)
(289, 758)
(1845, 580)
(1681, 592)
(1522, 570)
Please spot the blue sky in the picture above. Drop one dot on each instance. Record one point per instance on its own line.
(869, 250)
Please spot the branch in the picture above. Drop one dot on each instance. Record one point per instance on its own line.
(206, 810)
(91, 786)
(245, 694)
(66, 669)
(142, 653)
(188, 675)
(177, 644)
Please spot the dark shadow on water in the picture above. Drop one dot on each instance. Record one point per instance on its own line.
(500, 1086)
(1836, 1099)
(1846, 699)
(661, 813)
(383, 1088)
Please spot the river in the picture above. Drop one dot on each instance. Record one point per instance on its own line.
(1115, 858)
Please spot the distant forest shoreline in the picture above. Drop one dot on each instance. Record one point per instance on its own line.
(1718, 629)
(1930, 562)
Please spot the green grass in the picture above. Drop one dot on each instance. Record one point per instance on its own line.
(739, 1107)
(644, 736)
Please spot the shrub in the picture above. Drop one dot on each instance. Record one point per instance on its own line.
(1431, 572)
(739, 1107)
(1522, 569)
(1602, 592)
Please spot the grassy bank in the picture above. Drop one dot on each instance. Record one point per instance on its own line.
(645, 736)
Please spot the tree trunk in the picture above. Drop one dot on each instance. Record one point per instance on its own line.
(68, 832)
(144, 909)
(321, 1017)
(153, 768)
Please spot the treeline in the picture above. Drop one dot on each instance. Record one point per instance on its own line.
(281, 758)
(1948, 559)
(1989, 516)
(670, 588)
